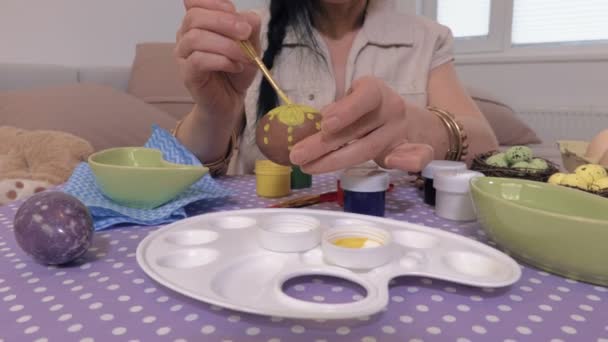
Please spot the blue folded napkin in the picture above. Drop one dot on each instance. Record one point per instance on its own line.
(107, 213)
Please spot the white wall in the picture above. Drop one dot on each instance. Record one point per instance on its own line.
(542, 85)
(86, 32)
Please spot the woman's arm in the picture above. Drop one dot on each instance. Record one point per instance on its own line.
(446, 92)
(217, 74)
(206, 136)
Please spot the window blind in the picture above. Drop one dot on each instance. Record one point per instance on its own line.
(466, 18)
(553, 21)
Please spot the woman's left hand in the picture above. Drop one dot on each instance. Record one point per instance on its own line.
(369, 123)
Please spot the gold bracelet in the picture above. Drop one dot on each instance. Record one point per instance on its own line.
(220, 166)
(458, 147)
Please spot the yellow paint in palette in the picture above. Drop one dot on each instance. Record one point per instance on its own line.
(356, 242)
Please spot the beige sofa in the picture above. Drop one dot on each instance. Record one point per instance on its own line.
(28, 76)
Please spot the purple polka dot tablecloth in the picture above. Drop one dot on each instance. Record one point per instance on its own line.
(105, 296)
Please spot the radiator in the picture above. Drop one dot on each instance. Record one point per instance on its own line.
(552, 125)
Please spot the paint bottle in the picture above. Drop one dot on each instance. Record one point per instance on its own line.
(299, 179)
(364, 190)
(428, 174)
(454, 200)
(370, 165)
(272, 180)
(339, 194)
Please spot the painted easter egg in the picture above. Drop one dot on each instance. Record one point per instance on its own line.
(53, 227)
(600, 184)
(556, 178)
(497, 160)
(575, 181)
(591, 172)
(279, 130)
(517, 154)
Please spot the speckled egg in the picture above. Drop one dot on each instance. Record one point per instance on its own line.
(517, 154)
(53, 227)
(522, 165)
(539, 164)
(497, 160)
(575, 181)
(556, 178)
(600, 184)
(279, 130)
(591, 172)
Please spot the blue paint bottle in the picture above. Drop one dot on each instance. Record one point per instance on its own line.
(364, 191)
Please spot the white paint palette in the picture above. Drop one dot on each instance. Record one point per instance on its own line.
(217, 258)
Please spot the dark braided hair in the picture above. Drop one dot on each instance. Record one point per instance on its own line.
(296, 14)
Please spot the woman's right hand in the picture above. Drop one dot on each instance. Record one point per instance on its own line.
(214, 68)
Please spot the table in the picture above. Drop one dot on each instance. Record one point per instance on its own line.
(107, 297)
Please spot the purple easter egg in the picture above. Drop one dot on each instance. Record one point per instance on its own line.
(53, 227)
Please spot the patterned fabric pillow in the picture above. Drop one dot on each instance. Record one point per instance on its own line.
(34, 160)
(16, 189)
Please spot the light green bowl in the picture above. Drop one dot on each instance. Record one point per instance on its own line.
(138, 177)
(554, 228)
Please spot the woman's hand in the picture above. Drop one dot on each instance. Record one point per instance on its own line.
(369, 123)
(215, 70)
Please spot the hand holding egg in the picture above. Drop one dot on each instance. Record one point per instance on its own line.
(279, 130)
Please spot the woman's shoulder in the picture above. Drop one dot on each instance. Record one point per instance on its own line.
(424, 23)
(431, 36)
(385, 23)
(422, 27)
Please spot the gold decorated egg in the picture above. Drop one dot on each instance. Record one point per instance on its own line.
(279, 130)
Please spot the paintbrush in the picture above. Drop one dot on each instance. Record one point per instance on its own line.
(305, 201)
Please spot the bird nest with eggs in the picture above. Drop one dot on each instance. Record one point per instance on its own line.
(516, 162)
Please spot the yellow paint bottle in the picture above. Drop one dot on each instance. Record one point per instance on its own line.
(272, 180)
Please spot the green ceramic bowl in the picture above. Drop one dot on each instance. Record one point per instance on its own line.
(554, 228)
(138, 177)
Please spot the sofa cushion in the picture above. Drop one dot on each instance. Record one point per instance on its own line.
(28, 76)
(100, 114)
(508, 127)
(155, 79)
(116, 77)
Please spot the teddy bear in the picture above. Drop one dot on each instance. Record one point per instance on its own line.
(33, 161)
